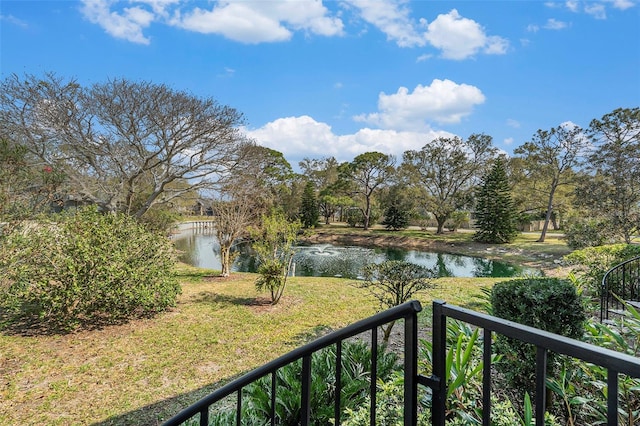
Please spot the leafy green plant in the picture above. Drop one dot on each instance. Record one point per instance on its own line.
(86, 268)
(592, 263)
(549, 304)
(355, 382)
(274, 246)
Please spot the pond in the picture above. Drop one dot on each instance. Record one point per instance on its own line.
(201, 249)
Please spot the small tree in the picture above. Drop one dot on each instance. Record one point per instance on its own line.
(309, 209)
(394, 282)
(495, 211)
(274, 248)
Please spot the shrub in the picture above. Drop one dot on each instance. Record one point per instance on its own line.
(86, 268)
(593, 262)
(587, 232)
(549, 304)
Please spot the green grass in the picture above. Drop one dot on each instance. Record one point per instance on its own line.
(147, 370)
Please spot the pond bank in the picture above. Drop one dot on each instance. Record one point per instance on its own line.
(548, 262)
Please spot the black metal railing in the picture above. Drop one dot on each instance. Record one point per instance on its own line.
(616, 363)
(407, 311)
(623, 281)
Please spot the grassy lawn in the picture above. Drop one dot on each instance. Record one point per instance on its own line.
(145, 371)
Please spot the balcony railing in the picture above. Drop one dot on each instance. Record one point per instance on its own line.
(620, 283)
(616, 363)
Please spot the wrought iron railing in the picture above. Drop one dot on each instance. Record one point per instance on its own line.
(620, 283)
(616, 363)
(407, 311)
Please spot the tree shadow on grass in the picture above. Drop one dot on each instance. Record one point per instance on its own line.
(211, 298)
(161, 411)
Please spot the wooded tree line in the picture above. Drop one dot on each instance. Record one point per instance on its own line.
(145, 148)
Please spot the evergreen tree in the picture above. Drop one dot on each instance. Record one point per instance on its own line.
(398, 208)
(496, 216)
(309, 209)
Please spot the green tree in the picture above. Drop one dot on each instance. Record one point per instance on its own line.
(364, 176)
(394, 282)
(309, 210)
(613, 188)
(445, 171)
(26, 188)
(397, 208)
(274, 246)
(550, 156)
(496, 217)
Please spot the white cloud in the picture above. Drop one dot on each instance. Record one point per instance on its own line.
(554, 24)
(14, 21)
(508, 141)
(444, 101)
(258, 22)
(513, 123)
(423, 58)
(622, 4)
(596, 10)
(532, 28)
(243, 21)
(392, 18)
(572, 5)
(299, 137)
(460, 38)
(127, 24)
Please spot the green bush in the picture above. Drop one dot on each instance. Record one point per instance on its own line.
(593, 262)
(587, 232)
(85, 269)
(549, 304)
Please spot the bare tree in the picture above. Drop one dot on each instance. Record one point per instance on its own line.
(121, 144)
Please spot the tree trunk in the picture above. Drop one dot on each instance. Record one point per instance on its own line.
(225, 260)
(547, 217)
(441, 220)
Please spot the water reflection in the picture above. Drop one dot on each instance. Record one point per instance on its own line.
(327, 260)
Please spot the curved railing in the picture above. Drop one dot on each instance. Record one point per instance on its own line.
(620, 283)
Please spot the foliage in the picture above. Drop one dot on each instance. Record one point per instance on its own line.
(363, 177)
(550, 156)
(582, 387)
(122, 143)
(355, 382)
(354, 216)
(85, 269)
(549, 304)
(592, 263)
(25, 189)
(495, 212)
(398, 206)
(457, 219)
(613, 189)
(582, 232)
(274, 248)
(394, 282)
(159, 219)
(309, 212)
(446, 170)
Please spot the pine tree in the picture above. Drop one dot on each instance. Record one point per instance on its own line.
(309, 212)
(495, 213)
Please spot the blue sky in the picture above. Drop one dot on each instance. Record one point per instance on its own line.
(338, 78)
